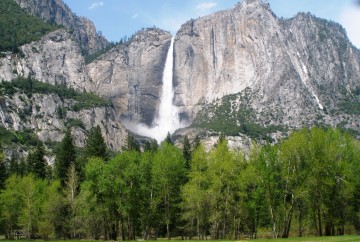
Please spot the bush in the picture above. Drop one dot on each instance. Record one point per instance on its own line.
(74, 123)
(26, 137)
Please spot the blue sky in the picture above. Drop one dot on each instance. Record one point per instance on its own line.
(119, 18)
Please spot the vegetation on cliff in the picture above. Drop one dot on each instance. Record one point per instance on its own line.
(232, 115)
(17, 27)
(30, 86)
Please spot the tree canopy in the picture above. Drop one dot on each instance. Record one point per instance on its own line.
(308, 183)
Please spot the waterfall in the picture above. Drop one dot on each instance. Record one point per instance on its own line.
(167, 117)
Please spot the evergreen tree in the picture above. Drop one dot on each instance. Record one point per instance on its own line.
(131, 143)
(187, 152)
(95, 145)
(196, 143)
(22, 168)
(151, 145)
(14, 167)
(37, 163)
(168, 139)
(65, 156)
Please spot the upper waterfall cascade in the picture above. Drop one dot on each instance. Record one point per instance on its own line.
(167, 118)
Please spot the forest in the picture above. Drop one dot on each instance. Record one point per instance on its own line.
(308, 184)
(17, 27)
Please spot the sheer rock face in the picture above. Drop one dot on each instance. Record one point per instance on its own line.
(295, 71)
(40, 113)
(296, 68)
(55, 59)
(131, 75)
(56, 11)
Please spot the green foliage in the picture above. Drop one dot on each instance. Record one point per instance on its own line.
(17, 27)
(307, 184)
(3, 169)
(350, 101)
(87, 100)
(168, 139)
(95, 145)
(61, 112)
(25, 137)
(186, 151)
(233, 115)
(131, 143)
(169, 172)
(37, 164)
(71, 122)
(151, 146)
(29, 86)
(65, 156)
(195, 198)
(11, 204)
(350, 106)
(52, 222)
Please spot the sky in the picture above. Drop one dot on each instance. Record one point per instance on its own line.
(119, 18)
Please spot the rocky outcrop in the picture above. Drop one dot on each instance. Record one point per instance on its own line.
(55, 59)
(40, 113)
(131, 74)
(297, 69)
(56, 11)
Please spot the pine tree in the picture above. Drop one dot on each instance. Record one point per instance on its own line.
(168, 139)
(187, 152)
(196, 143)
(37, 163)
(95, 145)
(151, 146)
(14, 166)
(131, 143)
(65, 156)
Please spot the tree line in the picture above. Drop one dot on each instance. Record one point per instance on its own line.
(308, 184)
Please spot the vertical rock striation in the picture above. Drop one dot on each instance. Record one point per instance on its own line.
(131, 74)
(296, 68)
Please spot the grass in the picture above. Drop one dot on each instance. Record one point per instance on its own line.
(347, 238)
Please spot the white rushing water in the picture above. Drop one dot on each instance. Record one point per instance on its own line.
(167, 118)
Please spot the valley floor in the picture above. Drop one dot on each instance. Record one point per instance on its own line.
(347, 238)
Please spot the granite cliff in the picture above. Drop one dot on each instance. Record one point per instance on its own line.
(245, 66)
(131, 74)
(56, 11)
(55, 59)
(242, 71)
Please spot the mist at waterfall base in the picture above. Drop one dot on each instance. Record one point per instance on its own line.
(167, 118)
